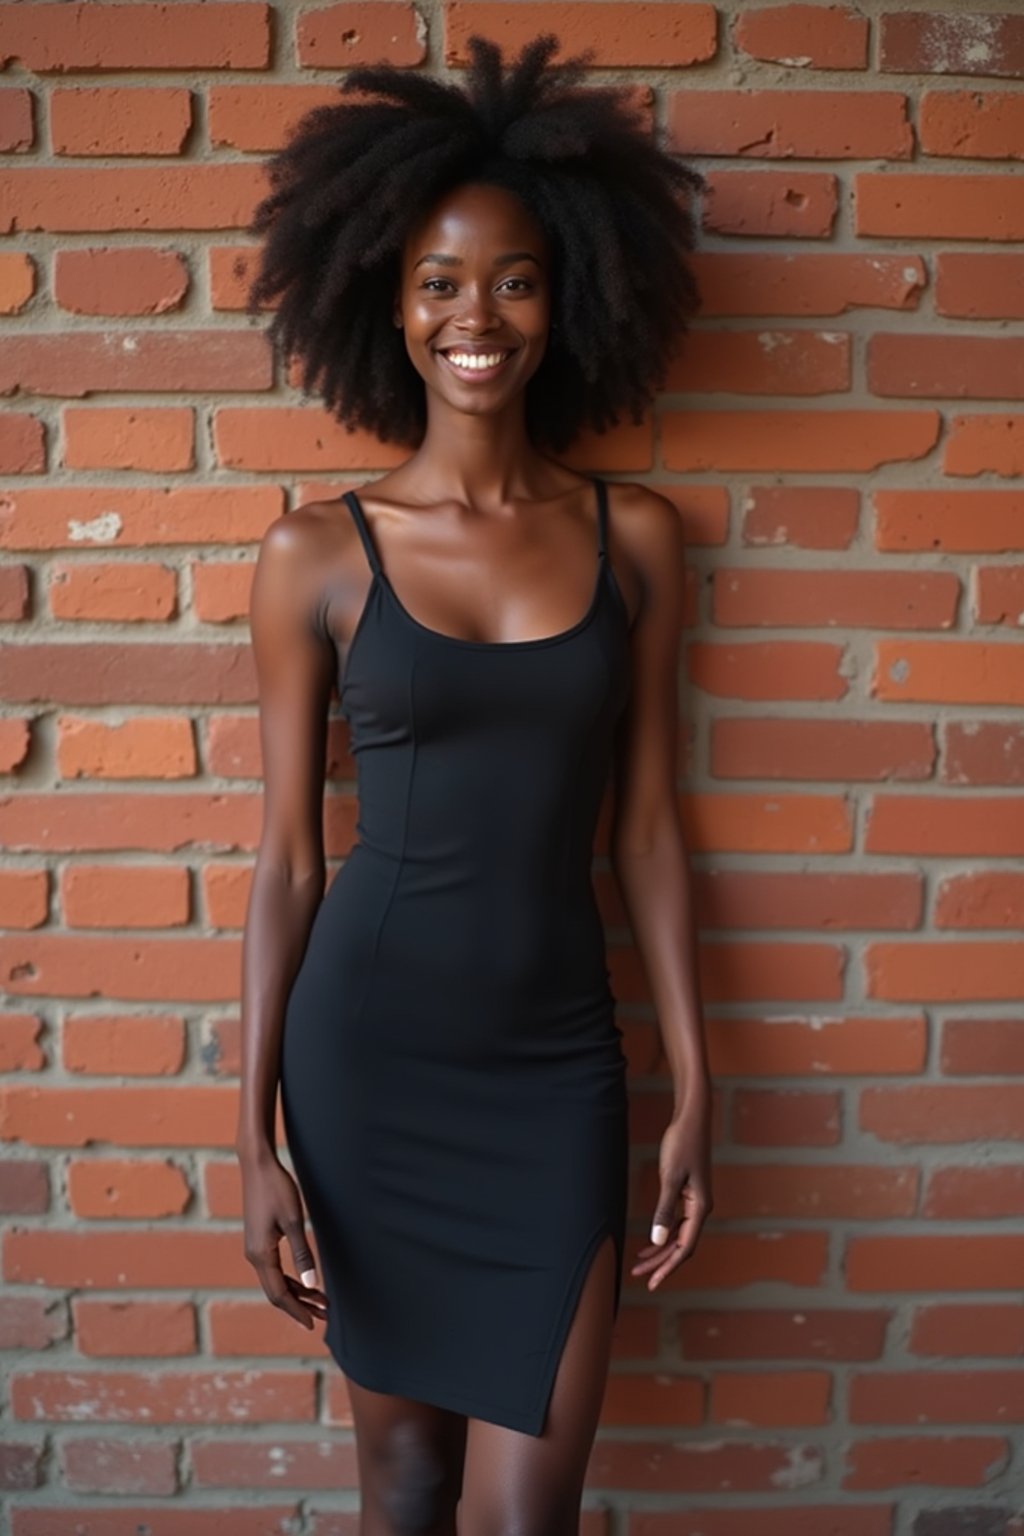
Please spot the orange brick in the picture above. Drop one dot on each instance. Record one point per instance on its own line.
(762, 362)
(842, 750)
(129, 896)
(980, 285)
(804, 517)
(132, 1044)
(88, 198)
(960, 522)
(987, 126)
(980, 971)
(935, 205)
(960, 367)
(770, 1399)
(802, 440)
(778, 1118)
(926, 1261)
(150, 120)
(102, 1189)
(121, 591)
(978, 443)
(261, 117)
(139, 1116)
(165, 1397)
(638, 33)
(956, 825)
(158, 438)
(90, 35)
(55, 518)
(804, 36)
(748, 898)
(934, 1461)
(953, 671)
(254, 1328)
(78, 363)
(836, 599)
(992, 899)
(17, 128)
(19, 1044)
(221, 593)
(22, 445)
(340, 36)
(805, 282)
(985, 1047)
(983, 752)
(132, 281)
(17, 281)
(817, 1047)
(944, 1112)
(231, 270)
(783, 204)
(772, 669)
(295, 437)
(775, 125)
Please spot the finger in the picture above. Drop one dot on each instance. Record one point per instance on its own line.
(665, 1214)
(302, 1254)
(307, 1299)
(275, 1288)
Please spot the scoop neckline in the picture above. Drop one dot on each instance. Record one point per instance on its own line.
(493, 645)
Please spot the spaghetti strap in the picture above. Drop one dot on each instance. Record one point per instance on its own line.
(359, 518)
(602, 516)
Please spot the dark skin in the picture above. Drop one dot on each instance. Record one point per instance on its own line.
(483, 537)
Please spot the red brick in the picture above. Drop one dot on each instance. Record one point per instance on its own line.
(92, 1465)
(978, 971)
(633, 1399)
(108, 896)
(780, 1118)
(761, 363)
(960, 367)
(165, 1397)
(139, 518)
(801, 516)
(959, 522)
(244, 1328)
(937, 1397)
(771, 1399)
(768, 823)
(999, 595)
(22, 445)
(842, 750)
(341, 36)
(231, 271)
(104, 1189)
(87, 198)
(840, 1333)
(90, 35)
(130, 281)
(683, 1466)
(984, 752)
(978, 443)
(186, 1520)
(112, 1260)
(261, 117)
(306, 1464)
(195, 1116)
(801, 440)
(221, 593)
(17, 131)
(932, 42)
(17, 281)
(817, 1046)
(15, 608)
(956, 1328)
(816, 1191)
(121, 591)
(927, 1262)
(986, 125)
(82, 362)
(637, 32)
(954, 671)
(771, 669)
(938, 205)
(983, 1047)
(846, 599)
(783, 204)
(992, 1193)
(24, 1191)
(775, 125)
(778, 1520)
(992, 899)
(804, 36)
(123, 1044)
(134, 1327)
(805, 283)
(21, 1465)
(933, 1461)
(19, 1033)
(101, 120)
(160, 438)
(747, 898)
(295, 437)
(936, 1113)
(980, 285)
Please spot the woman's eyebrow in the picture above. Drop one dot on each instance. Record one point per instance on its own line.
(445, 260)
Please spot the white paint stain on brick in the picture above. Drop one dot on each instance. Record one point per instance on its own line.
(97, 530)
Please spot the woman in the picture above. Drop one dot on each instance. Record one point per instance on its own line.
(477, 275)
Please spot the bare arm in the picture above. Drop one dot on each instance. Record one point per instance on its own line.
(295, 672)
(649, 858)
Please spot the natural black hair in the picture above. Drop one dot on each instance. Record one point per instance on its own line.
(354, 178)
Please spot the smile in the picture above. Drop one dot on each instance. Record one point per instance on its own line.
(476, 365)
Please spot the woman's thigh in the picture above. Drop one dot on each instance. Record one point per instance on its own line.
(410, 1457)
(525, 1485)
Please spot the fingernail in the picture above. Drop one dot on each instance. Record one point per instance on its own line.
(658, 1233)
(309, 1277)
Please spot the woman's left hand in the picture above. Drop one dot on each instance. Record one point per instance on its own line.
(684, 1166)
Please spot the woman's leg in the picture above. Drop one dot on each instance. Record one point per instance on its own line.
(526, 1485)
(410, 1458)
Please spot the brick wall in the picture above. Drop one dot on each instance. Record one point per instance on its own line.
(843, 439)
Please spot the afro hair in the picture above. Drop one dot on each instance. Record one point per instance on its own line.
(355, 177)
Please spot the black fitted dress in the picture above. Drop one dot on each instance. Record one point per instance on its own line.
(452, 1074)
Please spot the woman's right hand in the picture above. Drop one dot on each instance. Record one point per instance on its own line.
(273, 1209)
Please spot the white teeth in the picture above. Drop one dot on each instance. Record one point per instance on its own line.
(475, 360)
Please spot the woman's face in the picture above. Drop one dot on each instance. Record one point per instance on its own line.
(474, 297)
